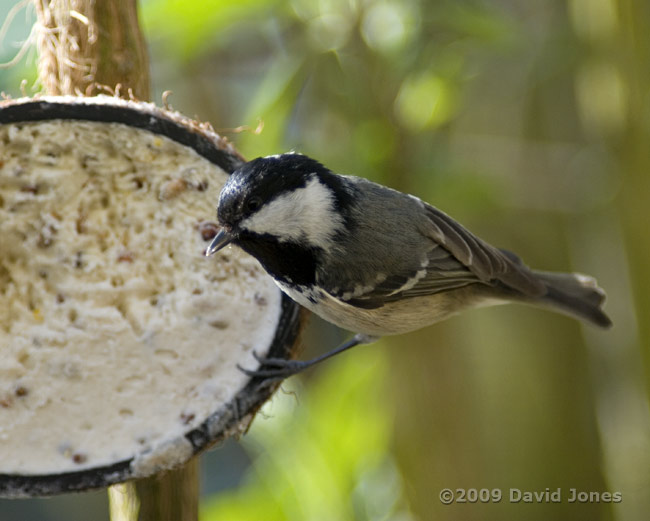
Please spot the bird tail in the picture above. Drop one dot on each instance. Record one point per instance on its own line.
(574, 294)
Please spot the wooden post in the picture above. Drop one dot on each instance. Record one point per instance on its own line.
(168, 497)
(83, 43)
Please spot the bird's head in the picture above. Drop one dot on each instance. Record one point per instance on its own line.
(288, 198)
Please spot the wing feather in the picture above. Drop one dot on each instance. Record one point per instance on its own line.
(457, 258)
(486, 262)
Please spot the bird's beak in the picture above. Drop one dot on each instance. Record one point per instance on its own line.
(221, 240)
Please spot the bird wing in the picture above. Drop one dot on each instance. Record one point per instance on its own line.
(457, 258)
(443, 272)
(486, 262)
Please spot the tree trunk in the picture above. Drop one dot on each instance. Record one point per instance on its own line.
(83, 43)
(168, 497)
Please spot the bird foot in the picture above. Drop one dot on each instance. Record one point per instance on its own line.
(275, 368)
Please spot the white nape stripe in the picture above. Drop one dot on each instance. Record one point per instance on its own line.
(305, 214)
(278, 156)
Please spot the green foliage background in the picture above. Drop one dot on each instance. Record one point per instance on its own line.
(527, 121)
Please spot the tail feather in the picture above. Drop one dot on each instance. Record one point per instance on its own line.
(575, 294)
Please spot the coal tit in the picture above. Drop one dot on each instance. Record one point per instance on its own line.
(373, 260)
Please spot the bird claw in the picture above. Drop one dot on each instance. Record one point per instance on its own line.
(274, 368)
(277, 369)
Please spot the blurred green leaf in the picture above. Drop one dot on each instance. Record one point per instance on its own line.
(388, 26)
(14, 33)
(11, 78)
(322, 453)
(425, 100)
(479, 20)
(374, 141)
(189, 27)
(273, 103)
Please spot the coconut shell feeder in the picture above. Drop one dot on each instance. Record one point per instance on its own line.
(119, 340)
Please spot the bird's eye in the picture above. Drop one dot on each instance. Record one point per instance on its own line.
(253, 203)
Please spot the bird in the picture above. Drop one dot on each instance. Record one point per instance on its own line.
(373, 260)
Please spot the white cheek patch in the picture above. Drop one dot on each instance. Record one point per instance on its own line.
(306, 214)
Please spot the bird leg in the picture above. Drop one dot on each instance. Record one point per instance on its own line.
(276, 369)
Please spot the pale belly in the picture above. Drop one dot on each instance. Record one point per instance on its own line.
(391, 319)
